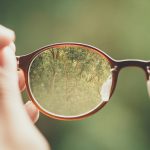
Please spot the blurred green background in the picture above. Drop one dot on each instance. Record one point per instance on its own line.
(120, 28)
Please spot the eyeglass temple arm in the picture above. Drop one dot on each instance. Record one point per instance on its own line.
(23, 61)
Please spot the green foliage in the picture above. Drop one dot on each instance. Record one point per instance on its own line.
(121, 29)
(68, 80)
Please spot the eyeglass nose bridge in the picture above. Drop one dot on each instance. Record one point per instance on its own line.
(145, 65)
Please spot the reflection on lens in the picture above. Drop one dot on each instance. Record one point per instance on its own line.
(70, 80)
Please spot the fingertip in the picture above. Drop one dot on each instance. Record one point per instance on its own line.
(8, 59)
(21, 77)
(32, 111)
(12, 46)
(6, 36)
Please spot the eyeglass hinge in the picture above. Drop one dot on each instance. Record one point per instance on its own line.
(17, 58)
(114, 69)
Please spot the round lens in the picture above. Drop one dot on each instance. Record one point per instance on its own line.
(70, 80)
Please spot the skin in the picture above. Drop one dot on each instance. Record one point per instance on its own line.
(17, 129)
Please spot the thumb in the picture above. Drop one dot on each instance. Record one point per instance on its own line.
(11, 105)
(8, 79)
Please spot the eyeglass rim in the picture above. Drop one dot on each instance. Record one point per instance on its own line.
(25, 61)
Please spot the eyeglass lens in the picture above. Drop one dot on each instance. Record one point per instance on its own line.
(70, 80)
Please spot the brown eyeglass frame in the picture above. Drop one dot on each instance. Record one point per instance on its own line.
(116, 65)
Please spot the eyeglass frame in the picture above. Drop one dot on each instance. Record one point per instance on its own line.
(24, 62)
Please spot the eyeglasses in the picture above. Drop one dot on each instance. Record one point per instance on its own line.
(70, 81)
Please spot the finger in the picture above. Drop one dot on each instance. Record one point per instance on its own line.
(11, 105)
(20, 72)
(22, 84)
(6, 36)
(8, 75)
(32, 111)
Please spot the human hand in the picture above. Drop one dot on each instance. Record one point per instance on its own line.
(17, 131)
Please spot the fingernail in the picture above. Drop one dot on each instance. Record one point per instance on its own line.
(7, 59)
(12, 46)
(5, 29)
(6, 36)
(35, 112)
(30, 104)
